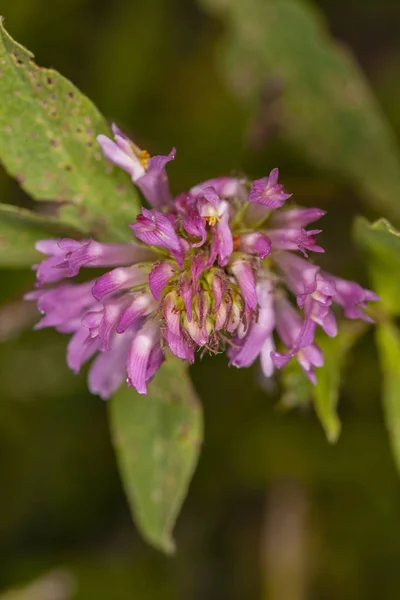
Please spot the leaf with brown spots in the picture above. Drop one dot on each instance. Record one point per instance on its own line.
(157, 439)
(48, 132)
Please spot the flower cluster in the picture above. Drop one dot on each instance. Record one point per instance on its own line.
(214, 268)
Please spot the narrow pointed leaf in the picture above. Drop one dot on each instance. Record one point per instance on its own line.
(326, 392)
(19, 231)
(298, 391)
(322, 103)
(157, 440)
(388, 342)
(48, 132)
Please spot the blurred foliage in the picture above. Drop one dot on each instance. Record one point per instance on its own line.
(278, 55)
(151, 67)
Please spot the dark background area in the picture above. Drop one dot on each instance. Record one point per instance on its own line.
(274, 512)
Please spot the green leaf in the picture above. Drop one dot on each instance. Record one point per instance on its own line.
(19, 231)
(325, 107)
(381, 241)
(48, 132)
(388, 342)
(157, 440)
(326, 392)
(298, 391)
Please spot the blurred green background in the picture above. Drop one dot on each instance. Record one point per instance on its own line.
(274, 512)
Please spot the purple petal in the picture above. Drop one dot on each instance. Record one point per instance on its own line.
(224, 187)
(186, 293)
(64, 305)
(197, 332)
(300, 275)
(121, 155)
(50, 247)
(141, 305)
(95, 254)
(171, 313)
(160, 275)
(80, 348)
(223, 313)
(179, 346)
(288, 321)
(280, 359)
(198, 265)
(155, 229)
(108, 370)
(218, 288)
(117, 280)
(260, 330)
(154, 183)
(352, 297)
(267, 364)
(51, 270)
(195, 225)
(294, 239)
(139, 353)
(243, 272)
(156, 359)
(268, 192)
(222, 238)
(296, 218)
(111, 318)
(256, 243)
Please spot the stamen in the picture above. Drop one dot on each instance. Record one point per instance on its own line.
(212, 220)
(144, 158)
